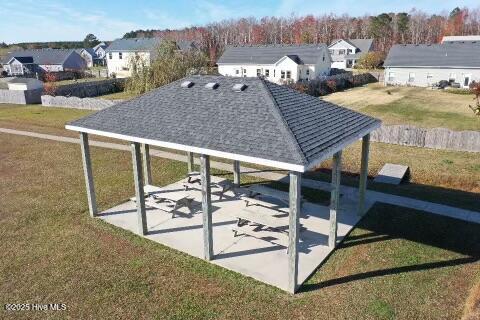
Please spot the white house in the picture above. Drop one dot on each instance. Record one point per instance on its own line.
(425, 65)
(276, 63)
(88, 55)
(42, 60)
(450, 39)
(346, 52)
(121, 54)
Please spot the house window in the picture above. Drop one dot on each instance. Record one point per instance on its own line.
(411, 77)
(274, 73)
(341, 51)
(453, 77)
(237, 71)
(120, 55)
(289, 74)
(267, 73)
(391, 76)
(259, 72)
(323, 57)
(331, 51)
(282, 74)
(308, 72)
(429, 77)
(110, 55)
(244, 71)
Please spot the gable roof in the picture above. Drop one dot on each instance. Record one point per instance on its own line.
(436, 55)
(22, 60)
(269, 54)
(363, 46)
(265, 123)
(42, 56)
(144, 44)
(102, 45)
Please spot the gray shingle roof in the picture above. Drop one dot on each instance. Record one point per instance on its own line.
(269, 54)
(42, 56)
(265, 121)
(144, 44)
(435, 55)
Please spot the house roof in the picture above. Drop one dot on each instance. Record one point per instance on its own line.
(435, 55)
(144, 44)
(102, 45)
(363, 46)
(23, 60)
(265, 123)
(269, 54)
(90, 51)
(41, 56)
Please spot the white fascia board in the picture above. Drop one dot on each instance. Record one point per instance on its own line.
(176, 146)
(432, 67)
(328, 153)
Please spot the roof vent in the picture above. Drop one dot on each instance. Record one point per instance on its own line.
(239, 87)
(211, 85)
(186, 84)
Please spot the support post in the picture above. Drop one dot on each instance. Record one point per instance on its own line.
(190, 162)
(335, 198)
(293, 230)
(206, 207)
(147, 170)
(363, 175)
(236, 173)
(87, 171)
(139, 193)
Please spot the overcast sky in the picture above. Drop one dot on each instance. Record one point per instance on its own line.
(60, 20)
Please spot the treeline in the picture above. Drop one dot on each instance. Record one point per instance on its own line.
(386, 29)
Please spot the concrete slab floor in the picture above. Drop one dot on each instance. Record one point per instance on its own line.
(257, 258)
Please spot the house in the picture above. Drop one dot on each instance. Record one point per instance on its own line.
(27, 62)
(450, 39)
(100, 54)
(424, 65)
(276, 63)
(346, 52)
(88, 54)
(122, 53)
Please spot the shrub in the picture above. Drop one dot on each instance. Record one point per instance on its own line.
(49, 87)
(475, 89)
(371, 60)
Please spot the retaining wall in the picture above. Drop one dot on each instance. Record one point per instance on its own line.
(77, 103)
(435, 138)
(21, 96)
(91, 89)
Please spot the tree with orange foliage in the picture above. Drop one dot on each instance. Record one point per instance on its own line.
(49, 87)
(475, 89)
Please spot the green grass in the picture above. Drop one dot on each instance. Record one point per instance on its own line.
(124, 95)
(82, 80)
(410, 105)
(397, 264)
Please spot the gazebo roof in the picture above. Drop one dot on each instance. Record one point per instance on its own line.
(261, 123)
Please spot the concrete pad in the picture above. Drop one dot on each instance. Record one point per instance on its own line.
(392, 174)
(257, 258)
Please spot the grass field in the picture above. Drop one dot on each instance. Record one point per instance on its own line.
(409, 105)
(397, 264)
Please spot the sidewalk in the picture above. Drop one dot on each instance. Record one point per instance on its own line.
(350, 192)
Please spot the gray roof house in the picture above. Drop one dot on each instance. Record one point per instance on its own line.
(276, 63)
(241, 119)
(42, 60)
(346, 52)
(120, 52)
(425, 65)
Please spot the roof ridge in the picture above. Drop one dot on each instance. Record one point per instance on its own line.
(278, 113)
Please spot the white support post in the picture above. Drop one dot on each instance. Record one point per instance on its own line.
(190, 161)
(335, 198)
(236, 173)
(206, 207)
(139, 193)
(363, 175)
(293, 230)
(147, 169)
(87, 171)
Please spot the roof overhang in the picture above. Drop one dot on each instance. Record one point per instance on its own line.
(181, 147)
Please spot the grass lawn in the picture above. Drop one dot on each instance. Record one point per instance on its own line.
(64, 82)
(397, 264)
(123, 95)
(410, 105)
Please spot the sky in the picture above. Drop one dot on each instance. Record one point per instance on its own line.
(60, 20)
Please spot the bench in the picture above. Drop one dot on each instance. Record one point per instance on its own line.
(259, 190)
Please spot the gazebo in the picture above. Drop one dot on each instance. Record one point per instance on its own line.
(241, 119)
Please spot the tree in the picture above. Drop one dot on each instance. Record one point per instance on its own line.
(169, 65)
(475, 89)
(90, 41)
(370, 60)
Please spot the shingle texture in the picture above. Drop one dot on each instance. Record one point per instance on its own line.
(144, 44)
(435, 55)
(42, 56)
(269, 54)
(265, 120)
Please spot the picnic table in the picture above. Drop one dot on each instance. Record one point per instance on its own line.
(193, 179)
